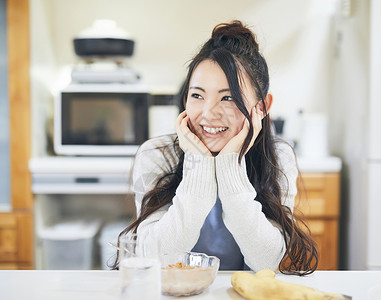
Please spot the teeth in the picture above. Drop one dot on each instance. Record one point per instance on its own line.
(214, 130)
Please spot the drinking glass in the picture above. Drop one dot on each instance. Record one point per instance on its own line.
(139, 268)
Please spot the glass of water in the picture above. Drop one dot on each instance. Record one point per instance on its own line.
(139, 268)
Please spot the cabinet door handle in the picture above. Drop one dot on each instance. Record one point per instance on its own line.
(87, 180)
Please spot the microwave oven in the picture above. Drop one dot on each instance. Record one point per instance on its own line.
(109, 119)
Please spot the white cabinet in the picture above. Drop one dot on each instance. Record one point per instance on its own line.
(373, 220)
(81, 175)
(373, 201)
(99, 188)
(80, 188)
(375, 86)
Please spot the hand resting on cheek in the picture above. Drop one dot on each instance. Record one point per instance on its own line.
(188, 141)
(235, 144)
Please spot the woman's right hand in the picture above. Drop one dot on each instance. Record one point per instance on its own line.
(188, 141)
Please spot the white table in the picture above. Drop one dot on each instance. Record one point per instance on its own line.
(103, 285)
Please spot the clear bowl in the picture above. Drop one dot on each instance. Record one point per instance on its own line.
(188, 281)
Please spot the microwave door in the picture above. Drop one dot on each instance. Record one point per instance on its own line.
(102, 123)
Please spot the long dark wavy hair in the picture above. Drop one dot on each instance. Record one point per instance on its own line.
(233, 46)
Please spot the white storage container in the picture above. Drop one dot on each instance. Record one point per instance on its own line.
(69, 245)
(110, 233)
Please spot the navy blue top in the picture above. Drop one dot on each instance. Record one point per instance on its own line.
(215, 239)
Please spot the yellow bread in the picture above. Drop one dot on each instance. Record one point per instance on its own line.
(264, 286)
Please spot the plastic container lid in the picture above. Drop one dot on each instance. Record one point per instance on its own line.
(110, 231)
(104, 28)
(70, 230)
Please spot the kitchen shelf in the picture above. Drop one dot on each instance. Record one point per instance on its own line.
(111, 175)
(81, 175)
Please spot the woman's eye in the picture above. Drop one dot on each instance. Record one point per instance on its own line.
(197, 96)
(227, 98)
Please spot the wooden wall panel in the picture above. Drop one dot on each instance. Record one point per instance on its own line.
(8, 237)
(25, 233)
(19, 101)
(16, 239)
(16, 227)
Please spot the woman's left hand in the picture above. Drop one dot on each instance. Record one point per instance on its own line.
(235, 144)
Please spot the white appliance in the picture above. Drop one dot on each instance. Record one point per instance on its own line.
(374, 142)
(111, 119)
(100, 119)
(103, 72)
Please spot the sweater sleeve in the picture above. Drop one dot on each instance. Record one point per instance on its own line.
(176, 225)
(260, 240)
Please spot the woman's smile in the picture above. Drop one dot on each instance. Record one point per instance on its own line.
(213, 114)
(213, 132)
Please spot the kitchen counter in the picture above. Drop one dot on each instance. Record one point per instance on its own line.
(110, 175)
(328, 164)
(103, 285)
(122, 165)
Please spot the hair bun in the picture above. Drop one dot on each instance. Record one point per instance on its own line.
(235, 37)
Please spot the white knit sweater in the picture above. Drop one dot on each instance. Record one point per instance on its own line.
(177, 225)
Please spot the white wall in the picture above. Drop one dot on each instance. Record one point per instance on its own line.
(310, 67)
(295, 36)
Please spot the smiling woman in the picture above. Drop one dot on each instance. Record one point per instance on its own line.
(213, 115)
(224, 185)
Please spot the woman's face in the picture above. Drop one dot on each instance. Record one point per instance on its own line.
(214, 117)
